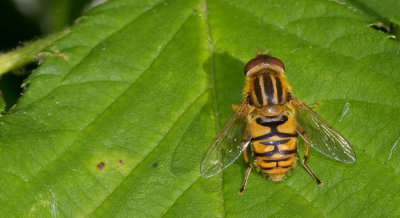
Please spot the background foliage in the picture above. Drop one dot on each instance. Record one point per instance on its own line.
(117, 124)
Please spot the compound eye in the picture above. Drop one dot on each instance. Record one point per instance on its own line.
(252, 63)
(263, 59)
(277, 62)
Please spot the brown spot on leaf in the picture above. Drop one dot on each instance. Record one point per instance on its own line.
(121, 162)
(101, 165)
(61, 55)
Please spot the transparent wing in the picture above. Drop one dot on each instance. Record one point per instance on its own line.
(227, 145)
(321, 135)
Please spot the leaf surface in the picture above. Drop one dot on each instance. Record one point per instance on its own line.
(118, 128)
(384, 9)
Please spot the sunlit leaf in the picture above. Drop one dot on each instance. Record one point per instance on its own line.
(115, 123)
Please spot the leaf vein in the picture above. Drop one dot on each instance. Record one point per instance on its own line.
(115, 99)
(159, 52)
(129, 22)
(145, 156)
(353, 193)
(214, 92)
(284, 28)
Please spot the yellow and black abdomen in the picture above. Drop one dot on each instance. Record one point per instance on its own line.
(274, 145)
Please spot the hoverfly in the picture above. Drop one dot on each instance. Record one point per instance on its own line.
(269, 119)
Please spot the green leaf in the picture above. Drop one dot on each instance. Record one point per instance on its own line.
(380, 9)
(119, 126)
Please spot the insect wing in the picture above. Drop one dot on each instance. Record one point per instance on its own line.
(321, 135)
(227, 145)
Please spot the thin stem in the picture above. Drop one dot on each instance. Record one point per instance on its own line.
(27, 54)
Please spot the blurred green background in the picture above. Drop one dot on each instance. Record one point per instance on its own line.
(24, 20)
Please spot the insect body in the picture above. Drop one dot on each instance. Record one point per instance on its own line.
(273, 130)
(270, 119)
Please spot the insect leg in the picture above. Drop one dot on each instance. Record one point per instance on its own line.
(304, 162)
(316, 104)
(246, 159)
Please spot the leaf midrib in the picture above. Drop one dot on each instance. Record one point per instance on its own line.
(214, 93)
(214, 103)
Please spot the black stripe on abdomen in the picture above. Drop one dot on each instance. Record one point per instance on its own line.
(267, 168)
(276, 133)
(271, 168)
(274, 129)
(275, 151)
(286, 166)
(275, 143)
(277, 160)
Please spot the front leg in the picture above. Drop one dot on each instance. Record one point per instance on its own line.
(316, 104)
